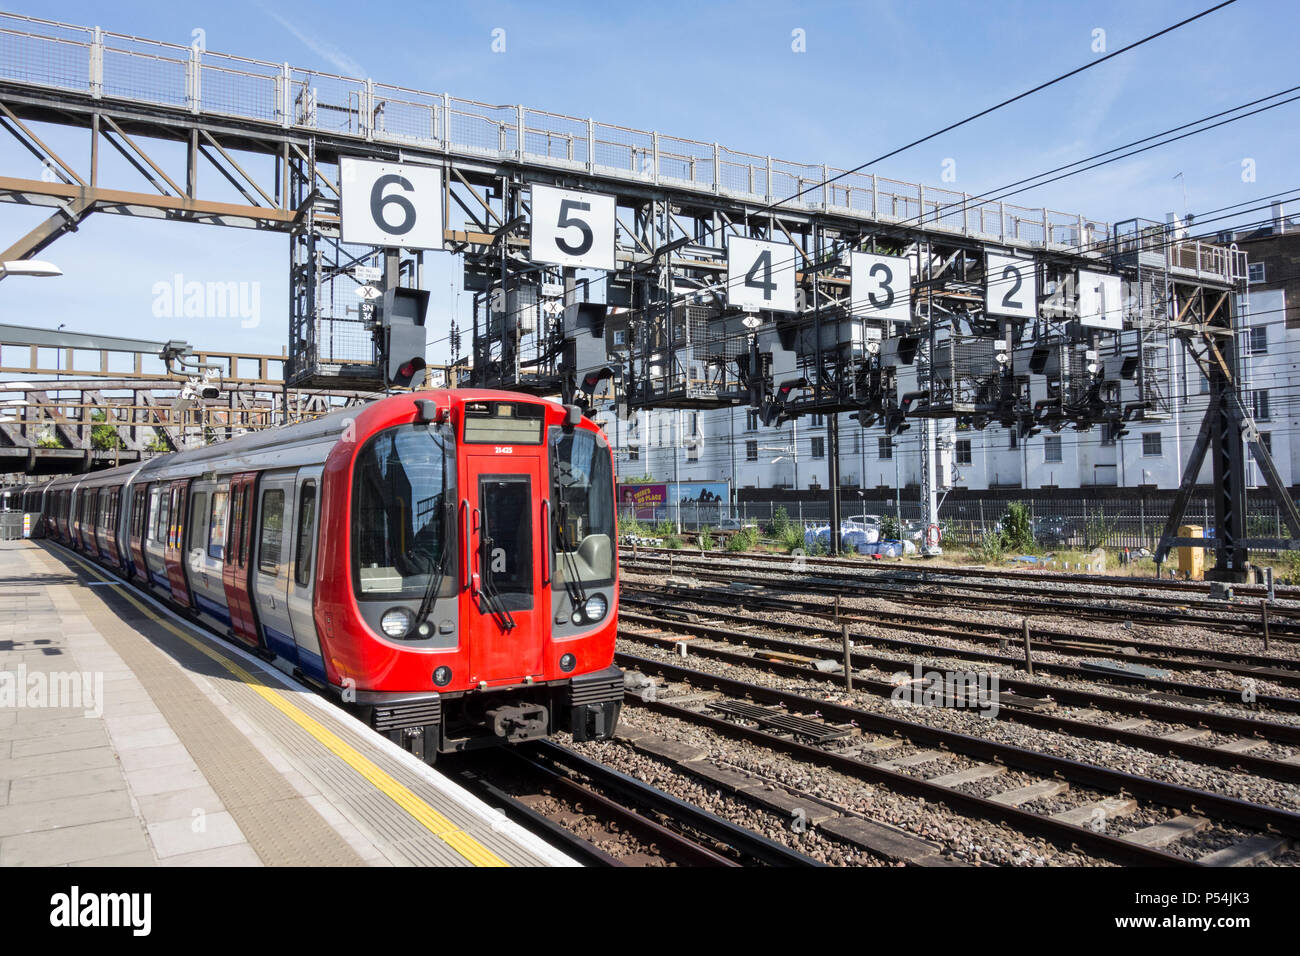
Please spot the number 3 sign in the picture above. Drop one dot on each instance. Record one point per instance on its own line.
(391, 204)
(572, 228)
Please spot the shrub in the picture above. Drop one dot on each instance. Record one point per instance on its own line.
(706, 539)
(1017, 528)
(665, 528)
(744, 540)
(989, 549)
(673, 543)
(791, 538)
(780, 523)
(631, 526)
(888, 527)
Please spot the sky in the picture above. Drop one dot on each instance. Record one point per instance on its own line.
(871, 76)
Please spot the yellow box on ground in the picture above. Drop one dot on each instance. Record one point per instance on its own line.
(1191, 560)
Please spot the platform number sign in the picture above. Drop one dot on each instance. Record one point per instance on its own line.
(572, 228)
(1100, 305)
(880, 287)
(1010, 286)
(391, 204)
(760, 274)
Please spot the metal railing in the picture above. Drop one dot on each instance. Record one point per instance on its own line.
(108, 66)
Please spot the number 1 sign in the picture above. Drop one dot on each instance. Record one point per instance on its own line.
(391, 204)
(572, 228)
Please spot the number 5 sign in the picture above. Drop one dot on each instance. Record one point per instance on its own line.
(572, 228)
(760, 274)
(880, 287)
(1010, 286)
(391, 204)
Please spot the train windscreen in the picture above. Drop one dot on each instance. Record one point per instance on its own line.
(582, 503)
(403, 488)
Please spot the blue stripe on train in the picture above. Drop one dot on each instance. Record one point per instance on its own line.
(213, 608)
(284, 645)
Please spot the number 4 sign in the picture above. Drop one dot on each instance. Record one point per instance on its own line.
(572, 228)
(880, 287)
(760, 274)
(391, 204)
(1010, 286)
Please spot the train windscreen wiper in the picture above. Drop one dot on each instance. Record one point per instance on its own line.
(488, 592)
(572, 579)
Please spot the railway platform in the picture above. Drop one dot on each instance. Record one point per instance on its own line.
(130, 737)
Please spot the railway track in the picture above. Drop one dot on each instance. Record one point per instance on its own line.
(1223, 618)
(606, 818)
(930, 571)
(758, 714)
(1128, 649)
(669, 615)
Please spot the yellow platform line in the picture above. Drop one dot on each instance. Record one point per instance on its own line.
(437, 824)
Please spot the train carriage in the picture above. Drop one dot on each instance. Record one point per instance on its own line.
(443, 563)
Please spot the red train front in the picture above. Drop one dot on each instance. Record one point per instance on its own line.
(471, 570)
(454, 582)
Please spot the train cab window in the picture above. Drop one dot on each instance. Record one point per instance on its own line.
(403, 512)
(235, 540)
(270, 540)
(582, 507)
(217, 525)
(506, 539)
(306, 523)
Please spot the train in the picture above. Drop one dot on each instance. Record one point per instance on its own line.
(441, 563)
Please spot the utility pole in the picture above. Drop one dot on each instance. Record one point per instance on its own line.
(677, 473)
(833, 439)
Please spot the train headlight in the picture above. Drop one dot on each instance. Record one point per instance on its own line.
(595, 607)
(397, 622)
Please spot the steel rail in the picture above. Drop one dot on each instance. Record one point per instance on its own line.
(1232, 809)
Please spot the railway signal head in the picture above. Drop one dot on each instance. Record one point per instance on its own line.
(402, 342)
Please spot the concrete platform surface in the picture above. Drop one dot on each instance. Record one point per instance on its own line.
(129, 737)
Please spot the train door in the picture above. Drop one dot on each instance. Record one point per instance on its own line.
(236, 567)
(204, 550)
(177, 493)
(272, 566)
(155, 534)
(139, 514)
(301, 577)
(500, 529)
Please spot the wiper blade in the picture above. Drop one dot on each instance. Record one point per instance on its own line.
(435, 579)
(489, 594)
(572, 579)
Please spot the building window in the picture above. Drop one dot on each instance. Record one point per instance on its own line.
(633, 452)
(963, 451)
(885, 446)
(1259, 404)
(1256, 270)
(1257, 344)
(751, 421)
(1052, 448)
(620, 336)
(751, 451)
(1151, 447)
(1109, 432)
(819, 447)
(818, 421)
(1205, 384)
(1013, 439)
(1266, 439)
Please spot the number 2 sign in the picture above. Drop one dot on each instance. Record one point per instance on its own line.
(1010, 286)
(760, 274)
(572, 228)
(391, 204)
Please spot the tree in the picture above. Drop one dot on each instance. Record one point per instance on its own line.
(104, 437)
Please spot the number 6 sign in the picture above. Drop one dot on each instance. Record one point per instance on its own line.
(1010, 286)
(391, 204)
(572, 228)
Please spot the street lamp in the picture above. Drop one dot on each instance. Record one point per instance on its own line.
(29, 267)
